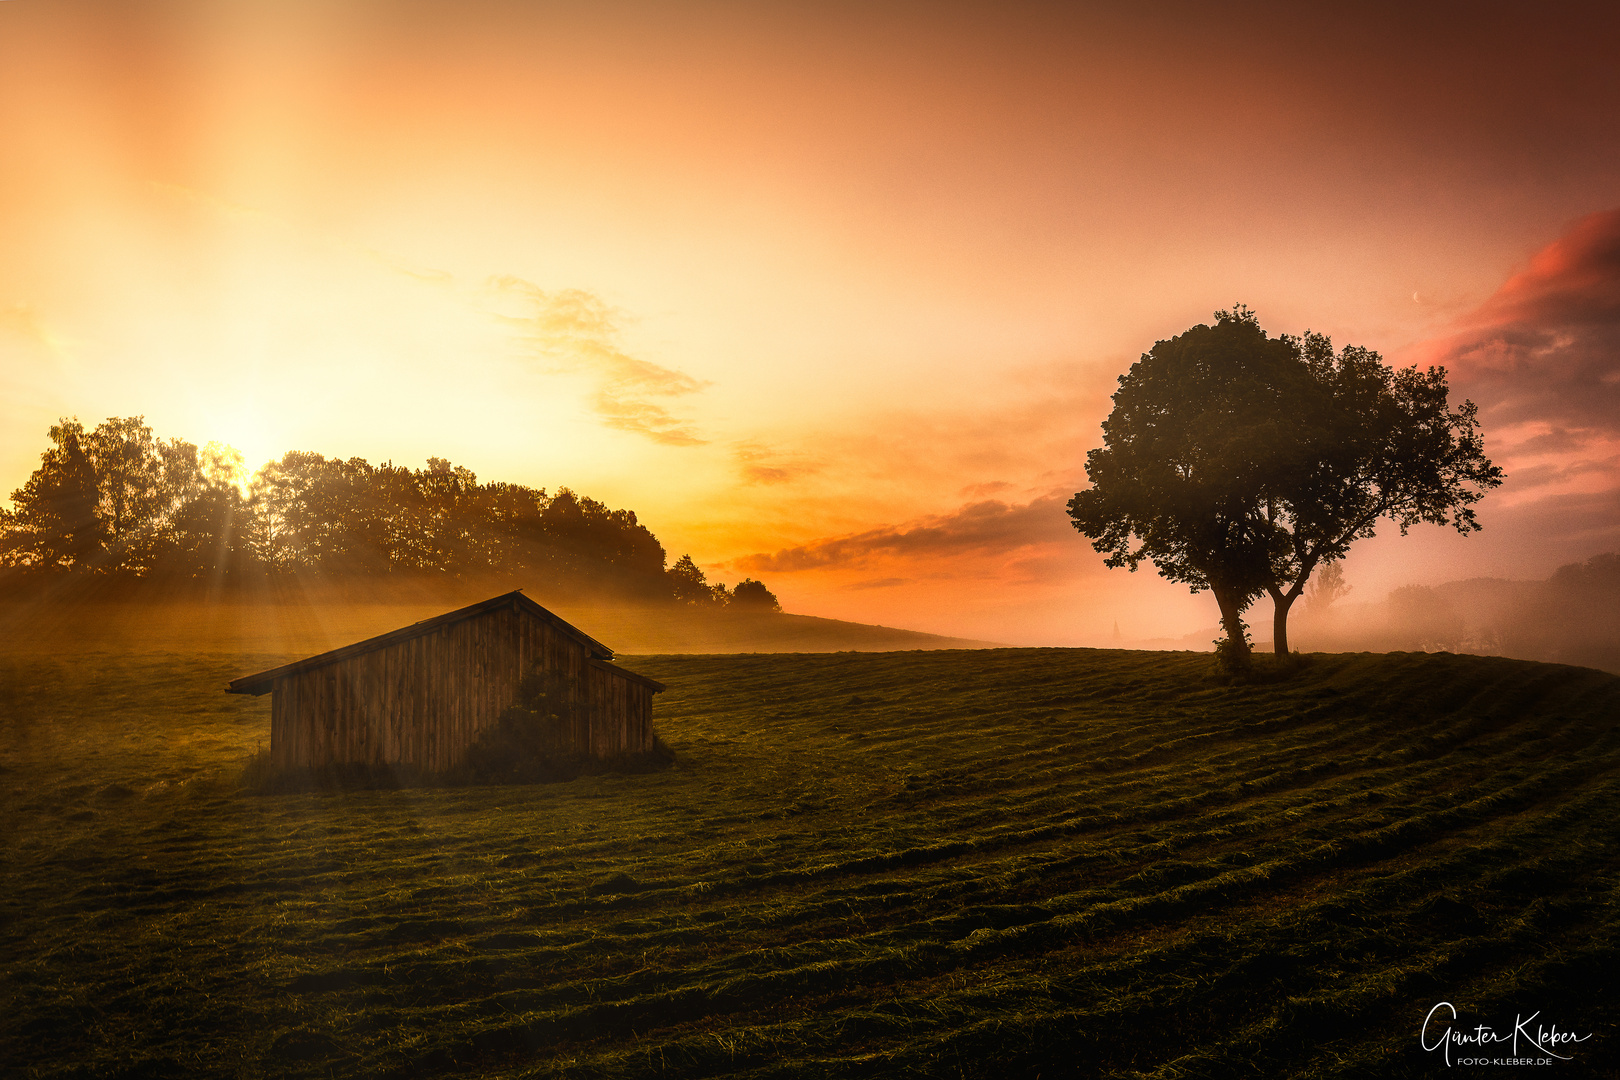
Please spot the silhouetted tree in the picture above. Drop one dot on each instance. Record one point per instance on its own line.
(587, 540)
(54, 525)
(128, 470)
(688, 584)
(1571, 616)
(1240, 463)
(120, 500)
(754, 596)
(1201, 429)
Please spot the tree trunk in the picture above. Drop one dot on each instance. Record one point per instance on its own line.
(1237, 640)
(1283, 601)
(1279, 619)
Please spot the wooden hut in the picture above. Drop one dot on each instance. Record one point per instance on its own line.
(419, 696)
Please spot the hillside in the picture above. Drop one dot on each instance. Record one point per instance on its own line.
(999, 863)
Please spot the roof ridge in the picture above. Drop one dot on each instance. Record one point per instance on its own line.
(262, 681)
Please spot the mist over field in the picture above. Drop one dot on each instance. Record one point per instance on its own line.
(294, 619)
(1572, 617)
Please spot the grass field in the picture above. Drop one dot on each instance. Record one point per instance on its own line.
(1003, 863)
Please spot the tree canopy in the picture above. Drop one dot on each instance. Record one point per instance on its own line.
(1198, 434)
(754, 596)
(1239, 463)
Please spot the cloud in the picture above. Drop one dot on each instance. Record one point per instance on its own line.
(1017, 435)
(1541, 358)
(1546, 346)
(1545, 473)
(570, 330)
(761, 464)
(1557, 441)
(983, 530)
(878, 583)
(576, 332)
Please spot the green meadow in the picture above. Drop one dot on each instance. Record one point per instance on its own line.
(997, 863)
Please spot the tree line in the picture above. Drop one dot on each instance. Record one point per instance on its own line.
(118, 501)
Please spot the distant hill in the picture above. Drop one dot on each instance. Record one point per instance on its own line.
(654, 630)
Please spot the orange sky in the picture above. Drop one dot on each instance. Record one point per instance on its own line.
(831, 294)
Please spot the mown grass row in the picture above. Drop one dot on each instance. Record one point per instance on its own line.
(998, 863)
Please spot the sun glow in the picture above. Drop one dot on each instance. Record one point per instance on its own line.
(829, 276)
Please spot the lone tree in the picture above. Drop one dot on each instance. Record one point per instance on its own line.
(1200, 429)
(1239, 463)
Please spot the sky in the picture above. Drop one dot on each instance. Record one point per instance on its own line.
(832, 295)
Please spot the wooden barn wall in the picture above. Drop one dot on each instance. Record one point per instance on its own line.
(422, 702)
(621, 713)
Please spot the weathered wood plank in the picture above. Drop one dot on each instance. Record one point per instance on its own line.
(422, 700)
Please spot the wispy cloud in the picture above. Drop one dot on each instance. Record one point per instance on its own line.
(31, 352)
(989, 530)
(989, 487)
(1548, 473)
(567, 330)
(762, 464)
(878, 583)
(213, 204)
(576, 331)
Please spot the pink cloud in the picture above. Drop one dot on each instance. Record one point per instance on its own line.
(1546, 347)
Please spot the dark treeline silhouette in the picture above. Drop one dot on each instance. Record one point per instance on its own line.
(119, 503)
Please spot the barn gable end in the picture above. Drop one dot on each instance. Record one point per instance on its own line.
(420, 696)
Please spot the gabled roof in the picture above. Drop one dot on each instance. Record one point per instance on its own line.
(265, 680)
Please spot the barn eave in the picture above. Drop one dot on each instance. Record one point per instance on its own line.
(607, 665)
